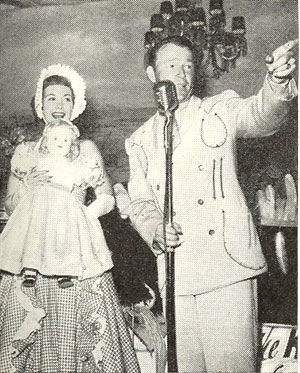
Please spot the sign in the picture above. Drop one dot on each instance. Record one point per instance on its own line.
(279, 348)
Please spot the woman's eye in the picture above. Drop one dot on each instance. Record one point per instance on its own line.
(172, 66)
(66, 140)
(68, 99)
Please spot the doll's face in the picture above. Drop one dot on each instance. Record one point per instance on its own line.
(59, 141)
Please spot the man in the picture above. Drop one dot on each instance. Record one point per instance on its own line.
(219, 256)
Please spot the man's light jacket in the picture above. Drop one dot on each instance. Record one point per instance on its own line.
(220, 245)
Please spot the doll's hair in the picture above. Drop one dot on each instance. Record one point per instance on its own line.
(74, 148)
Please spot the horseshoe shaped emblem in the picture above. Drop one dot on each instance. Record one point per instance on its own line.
(213, 132)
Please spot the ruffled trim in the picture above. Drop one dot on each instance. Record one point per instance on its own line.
(87, 170)
(77, 83)
(25, 335)
(91, 172)
(90, 314)
(93, 327)
(104, 339)
(23, 159)
(32, 321)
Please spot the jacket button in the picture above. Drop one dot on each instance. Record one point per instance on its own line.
(211, 232)
(200, 201)
(157, 187)
(201, 167)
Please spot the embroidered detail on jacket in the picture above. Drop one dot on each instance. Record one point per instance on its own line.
(248, 248)
(221, 178)
(214, 179)
(213, 132)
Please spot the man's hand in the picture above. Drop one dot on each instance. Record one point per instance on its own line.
(172, 235)
(282, 62)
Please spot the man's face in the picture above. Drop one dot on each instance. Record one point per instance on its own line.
(175, 63)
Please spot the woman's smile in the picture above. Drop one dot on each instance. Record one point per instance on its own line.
(58, 115)
(57, 103)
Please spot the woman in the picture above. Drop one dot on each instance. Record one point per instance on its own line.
(48, 328)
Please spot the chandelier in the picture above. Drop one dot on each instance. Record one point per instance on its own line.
(215, 48)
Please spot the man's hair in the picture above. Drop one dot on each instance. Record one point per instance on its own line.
(180, 41)
(58, 80)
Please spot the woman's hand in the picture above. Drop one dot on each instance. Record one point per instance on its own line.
(17, 187)
(37, 177)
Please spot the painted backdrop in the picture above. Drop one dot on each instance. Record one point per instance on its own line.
(103, 41)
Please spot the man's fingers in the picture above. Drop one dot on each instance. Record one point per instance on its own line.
(280, 61)
(284, 71)
(177, 227)
(170, 242)
(171, 236)
(291, 44)
(285, 48)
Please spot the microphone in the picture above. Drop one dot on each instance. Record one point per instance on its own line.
(166, 96)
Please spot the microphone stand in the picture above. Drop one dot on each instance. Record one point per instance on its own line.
(170, 251)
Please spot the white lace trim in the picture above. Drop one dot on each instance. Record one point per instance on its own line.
(32, 320)
(77, 83)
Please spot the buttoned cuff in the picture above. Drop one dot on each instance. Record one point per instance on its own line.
(285, 91)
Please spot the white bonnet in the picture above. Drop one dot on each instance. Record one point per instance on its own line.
(77, 84)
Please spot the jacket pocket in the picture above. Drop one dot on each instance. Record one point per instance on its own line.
(240, 239)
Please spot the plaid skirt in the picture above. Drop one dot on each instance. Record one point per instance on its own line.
(47, 329)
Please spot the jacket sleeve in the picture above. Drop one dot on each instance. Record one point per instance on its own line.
(262, 115)
(143, 211)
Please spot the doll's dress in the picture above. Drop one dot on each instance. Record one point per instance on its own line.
(50, 230)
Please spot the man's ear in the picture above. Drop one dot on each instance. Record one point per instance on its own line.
(151, 74)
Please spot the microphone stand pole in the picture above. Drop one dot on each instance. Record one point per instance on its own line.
(170, 251)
